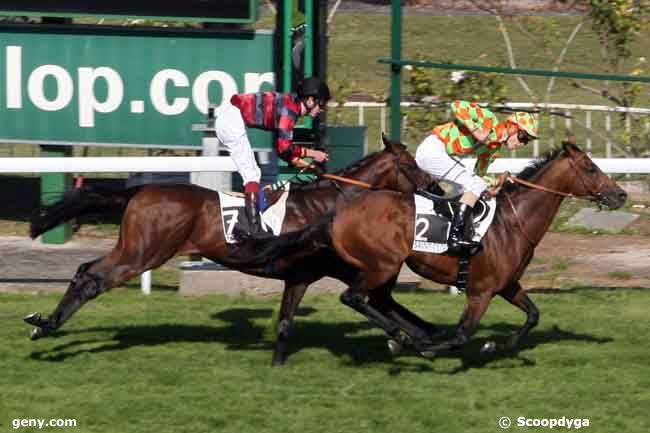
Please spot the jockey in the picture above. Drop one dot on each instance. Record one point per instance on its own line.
(270, 111)
(476, 131)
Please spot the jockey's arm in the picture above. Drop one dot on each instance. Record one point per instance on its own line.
(479, 121)
(483, 161)
(288, 150)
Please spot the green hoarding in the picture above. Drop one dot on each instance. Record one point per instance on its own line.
(230, 11)
(142, 87)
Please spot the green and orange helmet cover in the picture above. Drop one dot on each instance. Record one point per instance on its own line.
(526, 121)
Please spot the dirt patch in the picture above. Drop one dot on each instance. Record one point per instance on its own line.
(563, 260)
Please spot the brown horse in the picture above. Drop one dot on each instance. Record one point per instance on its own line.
(160, 222)
(375, 235)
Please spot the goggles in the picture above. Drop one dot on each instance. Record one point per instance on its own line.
(523, 137)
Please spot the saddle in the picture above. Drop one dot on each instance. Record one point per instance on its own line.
(272, 204)
(435, 208)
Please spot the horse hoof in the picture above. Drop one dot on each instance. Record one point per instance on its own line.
(36, 333)
(278, 361)
(394, 346)
(489, 347)
(428, 353)
(33, 319)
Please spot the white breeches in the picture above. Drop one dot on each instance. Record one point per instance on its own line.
(231, 132)
(431, 156)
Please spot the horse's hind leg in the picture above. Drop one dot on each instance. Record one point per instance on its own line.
(383, 300)
(354, 297)
(91, 280)
(518, 297)
(84, 286)
(416, 328)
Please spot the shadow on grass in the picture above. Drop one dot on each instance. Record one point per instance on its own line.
(472, 357)
(241, 333)
(582, 289)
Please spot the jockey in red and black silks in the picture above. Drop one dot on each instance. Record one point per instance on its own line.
(270, 111)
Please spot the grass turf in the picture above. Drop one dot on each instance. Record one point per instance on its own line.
(128, 363)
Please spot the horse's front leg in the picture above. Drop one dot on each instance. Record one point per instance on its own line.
(518, 297)
(291, 297)
(475, 308)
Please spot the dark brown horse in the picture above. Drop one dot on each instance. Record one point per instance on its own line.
(160, 222)
(374, 234)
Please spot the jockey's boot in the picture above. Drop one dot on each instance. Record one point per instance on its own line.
(460, 236)
(251, 208)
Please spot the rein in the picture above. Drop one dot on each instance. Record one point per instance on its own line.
(346, 180)
(363, 184)
(542, 188)
(592, 197)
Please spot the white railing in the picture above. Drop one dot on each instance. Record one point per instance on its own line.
(225, 164)
(567, 110)
(117, 164)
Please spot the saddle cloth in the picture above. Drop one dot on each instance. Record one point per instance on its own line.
(433, 222)
(233, 215)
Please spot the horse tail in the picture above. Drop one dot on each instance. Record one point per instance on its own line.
(251, 251)
(79, 202)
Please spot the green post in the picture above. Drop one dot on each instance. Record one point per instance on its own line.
(309, 47)
(53, 185)
(396, 71)
(286, 45)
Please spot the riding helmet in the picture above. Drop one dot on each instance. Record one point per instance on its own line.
(313, 86)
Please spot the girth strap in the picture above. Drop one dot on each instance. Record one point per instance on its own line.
(463, 274)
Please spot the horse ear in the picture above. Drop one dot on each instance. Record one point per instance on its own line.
(391, 146)
(387, 144)
(569, 143)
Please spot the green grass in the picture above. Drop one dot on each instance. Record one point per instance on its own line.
(128, 363)
(620, 275)
(357, 41)
(559, 264)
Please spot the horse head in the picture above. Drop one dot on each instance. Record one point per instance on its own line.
(588, 180)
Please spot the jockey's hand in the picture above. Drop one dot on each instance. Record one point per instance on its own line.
(501, 180)
(318, 155)
(304, 165)
(481, 134)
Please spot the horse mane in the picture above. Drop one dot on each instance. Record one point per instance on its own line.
(532, 170)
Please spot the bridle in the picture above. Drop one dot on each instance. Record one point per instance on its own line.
(593, 195)
(406, 173)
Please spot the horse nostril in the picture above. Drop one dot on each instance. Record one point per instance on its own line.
(622, 195)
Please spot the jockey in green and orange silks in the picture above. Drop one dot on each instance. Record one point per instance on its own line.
(474, 131)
